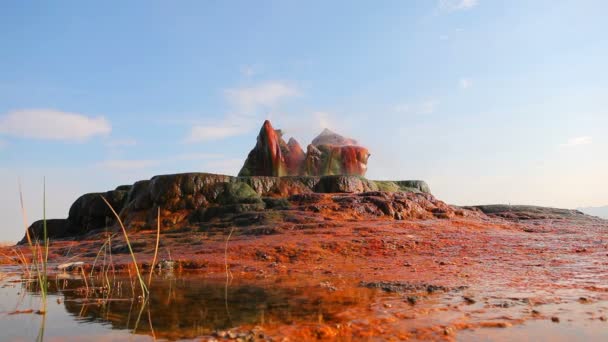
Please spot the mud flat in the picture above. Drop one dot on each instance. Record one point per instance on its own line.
(321, 266)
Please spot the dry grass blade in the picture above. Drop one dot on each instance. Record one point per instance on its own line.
(39, 260)
(24, 215)
(156, 248)
(228, 273)
(144, 288)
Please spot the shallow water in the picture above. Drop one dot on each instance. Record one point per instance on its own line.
(191, 306)
(178, 307)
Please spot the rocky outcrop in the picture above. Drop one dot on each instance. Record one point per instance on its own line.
(199, 197)
(55, 229)
(88, 213)
(329, 154)
(529, 212)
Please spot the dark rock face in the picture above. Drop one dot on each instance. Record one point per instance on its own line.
(528, 212)
(90, 212)
(55, 229)
(329, 154)
(349, 184)
(184, 191)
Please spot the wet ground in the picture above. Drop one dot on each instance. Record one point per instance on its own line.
(473, 279)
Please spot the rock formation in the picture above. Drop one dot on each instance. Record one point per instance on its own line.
(192, 198)
(328, 154)
(276, 175)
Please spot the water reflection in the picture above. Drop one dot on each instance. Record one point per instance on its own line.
(191, 306)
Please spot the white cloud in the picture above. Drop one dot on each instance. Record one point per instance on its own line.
(121, 142)
(52, 124)
(127, 164)
(465, 83)
(457, 5)
(249, 105)
(266, 94)
(578, 141)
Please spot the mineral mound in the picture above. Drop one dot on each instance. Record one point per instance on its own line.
(328, 154)
(276, 176)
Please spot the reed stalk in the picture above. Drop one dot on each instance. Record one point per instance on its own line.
(155, 248)
(39, 257)
(142, 284)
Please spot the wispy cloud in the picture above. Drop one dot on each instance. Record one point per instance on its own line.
(578, 141)
(248, 106)
(53, 125)
(465, 83)
(457, 5)
(263, 95)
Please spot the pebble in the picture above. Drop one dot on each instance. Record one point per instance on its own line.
(469, 300)
(70, 266)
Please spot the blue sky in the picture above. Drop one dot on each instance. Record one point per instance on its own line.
(488, 101)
